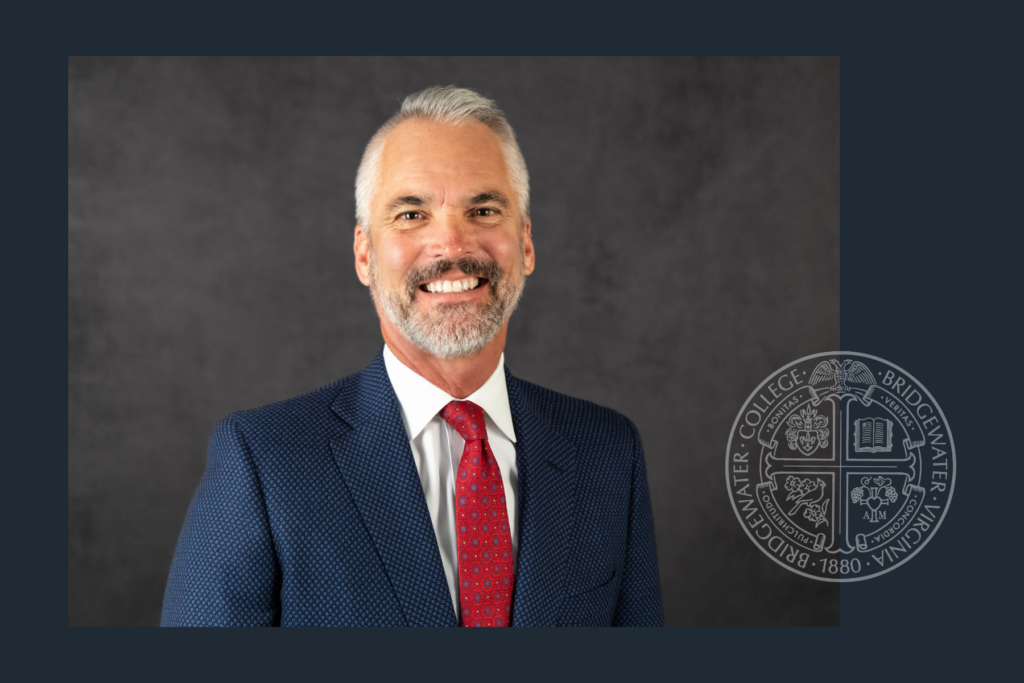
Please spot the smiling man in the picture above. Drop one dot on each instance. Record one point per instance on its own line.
(433, 488)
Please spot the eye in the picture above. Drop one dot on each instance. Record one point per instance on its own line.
(485, 211)
(410, 215)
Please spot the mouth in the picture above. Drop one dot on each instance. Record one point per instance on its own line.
(444, 286)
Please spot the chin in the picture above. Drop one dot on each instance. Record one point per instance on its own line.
(449, 335)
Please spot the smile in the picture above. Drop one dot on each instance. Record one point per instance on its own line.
(463, 285)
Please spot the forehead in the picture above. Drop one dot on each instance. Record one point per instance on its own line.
(427, 155)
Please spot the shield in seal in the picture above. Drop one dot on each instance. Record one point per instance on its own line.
(840, 466)
(807, 431)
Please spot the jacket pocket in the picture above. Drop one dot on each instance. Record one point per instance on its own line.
(594, 607)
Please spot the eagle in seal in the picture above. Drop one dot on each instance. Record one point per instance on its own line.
(849, 371)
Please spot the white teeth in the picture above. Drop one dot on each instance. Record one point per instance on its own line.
(454, 285)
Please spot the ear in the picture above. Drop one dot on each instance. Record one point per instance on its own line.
(528, 256)
(361, 247)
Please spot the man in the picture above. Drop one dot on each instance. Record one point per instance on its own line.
(433, 488)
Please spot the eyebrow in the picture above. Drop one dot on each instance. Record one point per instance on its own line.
(489, 197)
(407, 200)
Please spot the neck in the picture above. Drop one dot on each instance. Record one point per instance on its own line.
(458, 377)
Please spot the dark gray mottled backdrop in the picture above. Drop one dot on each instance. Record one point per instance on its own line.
(686, 220)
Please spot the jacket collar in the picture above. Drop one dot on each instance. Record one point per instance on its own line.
(547, 472)
(375, 459)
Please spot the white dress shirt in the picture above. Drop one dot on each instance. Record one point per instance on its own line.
(437, 450)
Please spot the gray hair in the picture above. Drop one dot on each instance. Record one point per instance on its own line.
(445, 104)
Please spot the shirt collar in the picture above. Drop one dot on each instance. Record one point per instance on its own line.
(421, 401)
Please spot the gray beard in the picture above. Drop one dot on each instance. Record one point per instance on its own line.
(454, 330)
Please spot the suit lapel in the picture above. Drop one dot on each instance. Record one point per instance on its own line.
(375, 459)
(546, 462)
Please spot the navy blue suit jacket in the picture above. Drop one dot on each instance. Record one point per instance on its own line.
(311, 513)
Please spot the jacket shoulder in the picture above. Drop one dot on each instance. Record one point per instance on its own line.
(578, 420)
(306, 413)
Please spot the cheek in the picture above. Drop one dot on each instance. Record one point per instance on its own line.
(394, 260)
(505, 250)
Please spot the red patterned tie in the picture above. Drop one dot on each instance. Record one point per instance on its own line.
(481, 523)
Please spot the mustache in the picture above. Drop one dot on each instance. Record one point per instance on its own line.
(472, 267)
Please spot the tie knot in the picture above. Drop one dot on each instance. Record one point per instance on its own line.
(467, 419)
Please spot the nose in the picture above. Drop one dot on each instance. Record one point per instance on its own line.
(452, 237)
